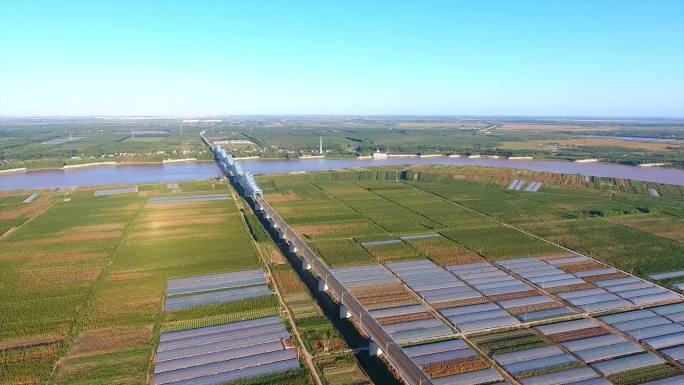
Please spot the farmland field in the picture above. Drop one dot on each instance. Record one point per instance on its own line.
(322, 340)
(83, 283)
(26, 144)
(614, 221)
(487, 236)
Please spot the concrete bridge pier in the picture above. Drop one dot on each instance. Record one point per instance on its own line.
(374, 349)
(292, 248)
(322, 284)
(344, 312)
(306, 265)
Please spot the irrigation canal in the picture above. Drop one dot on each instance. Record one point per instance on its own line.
(149, 173)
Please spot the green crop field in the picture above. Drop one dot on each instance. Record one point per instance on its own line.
(393, 252)
(614, 226)
(13, 212)
(612, 220)
(46, 144)
(83, 283)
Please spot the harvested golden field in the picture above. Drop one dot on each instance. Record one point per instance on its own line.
(395, 319)
(288, 282)
(610, 142)
(590, 143)
(579, 286)
(393, 251)
(553, 127)
(273, 255)
(128, 275)
(337, 229)
(105, 340)
(182, 233)
(99, 227)
(67, 238)
(603, 277)
(532, 308)
(287, 197)
(27, 210)
(582, 267)
(441, 124)
(384, 295)
(162, 221)
(458, 366)
(24, 342)
(444, 251)
(507, 296)
(578, 334)
(58, 277)
(73, 255)
(460, 302)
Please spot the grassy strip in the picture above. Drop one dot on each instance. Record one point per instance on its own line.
(508, 341)
(291, 377)
(343, 252)
(641, 375)
(255, 227)
(210, 315)
(554, 369)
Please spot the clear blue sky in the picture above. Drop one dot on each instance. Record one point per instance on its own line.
(579, 58)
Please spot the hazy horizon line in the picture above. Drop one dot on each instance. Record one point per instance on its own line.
(177, 116)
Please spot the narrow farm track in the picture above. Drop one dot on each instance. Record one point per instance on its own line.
(307, 356)
(348, 206)
(405, 207)
(10, 231)
(89, 302)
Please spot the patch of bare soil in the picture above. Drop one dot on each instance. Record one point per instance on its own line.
(553, 127)
(331, 228)
(273, 255)
(99, 227)
(22, 343)
(106, 340)
(172, 221)
(291, 196)
(26, 210)
(128, 275)
(460, 302)
(66, 256)
(57, 277)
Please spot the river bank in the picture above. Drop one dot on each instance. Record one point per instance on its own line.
(129, 173)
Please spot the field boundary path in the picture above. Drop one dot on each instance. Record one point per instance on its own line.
(307, 356)
(77, 326)
(11, 230)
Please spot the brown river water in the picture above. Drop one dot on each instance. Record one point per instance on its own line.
(149, 173)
